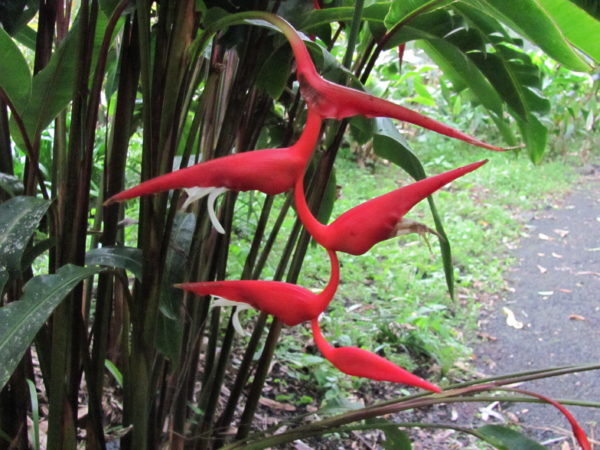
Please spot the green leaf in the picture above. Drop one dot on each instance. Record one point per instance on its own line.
(535, 135)
(21, 320)
(52, 89)
(3, 278)
(395, 439)
(504, 438)
(388, 143)
(128, 258)
(11, 184)
(401, 11)
(170, 329)
(531, 20)
(576, 24)
(19, 218)
(274, 74)
(462, 72)
(318, 17)
(16, 81)
(16, 13)
(476, 52)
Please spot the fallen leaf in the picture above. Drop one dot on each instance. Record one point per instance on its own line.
(542, 269)
(541, 254)
(587, 272)
(511, 320)
(556, 255)
(486, 336)
(545, 237)
(561, 233)
(546, 293)
(299, 445)
(576, 317)
(270, 403)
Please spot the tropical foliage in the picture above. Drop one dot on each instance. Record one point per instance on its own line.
(98, 95)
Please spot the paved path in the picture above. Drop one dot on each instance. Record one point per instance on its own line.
(555, 294)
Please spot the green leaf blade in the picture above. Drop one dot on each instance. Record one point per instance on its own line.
(128, 258)
(21, 320)
(388, 143)
(19, 218)
(505, 438)
(530, 19)
(15, 82)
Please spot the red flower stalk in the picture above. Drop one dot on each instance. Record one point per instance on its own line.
(271, 171)
(288, 302)
(376, 220)
(361, 363)
(575, 427)
(334, 101)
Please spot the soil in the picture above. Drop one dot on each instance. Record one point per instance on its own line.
(554, 294)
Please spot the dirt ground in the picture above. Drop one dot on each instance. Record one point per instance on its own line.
(550, 315)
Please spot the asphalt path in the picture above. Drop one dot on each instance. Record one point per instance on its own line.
(554, 299)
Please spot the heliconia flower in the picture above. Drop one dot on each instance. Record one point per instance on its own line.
(271, 171)
(288, 302)
(361, 363)
(334, 101)
(376, 220)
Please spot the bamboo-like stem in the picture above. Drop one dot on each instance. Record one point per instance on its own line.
(353, 35)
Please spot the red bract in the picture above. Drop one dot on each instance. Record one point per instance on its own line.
(289, 303)
(376, 220)
(271, 171)
(361, 363)
(334, 101)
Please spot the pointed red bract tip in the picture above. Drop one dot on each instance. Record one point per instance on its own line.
(361, 363)
(357, 230)
(288, 302)
(334, 101)
(272, 171)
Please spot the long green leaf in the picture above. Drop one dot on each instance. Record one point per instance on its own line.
(326, 16)
(535, 135)
(128, 258)
(19, 218)
(476, 52)
(389, 144)
(401, 11)
(395, 439)
(15, 77)
(462, 72)
(504, 438)
(11, 184)
(52, 89)
(21, 320)
(531, 20)
(170, 328)
(576, 24)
